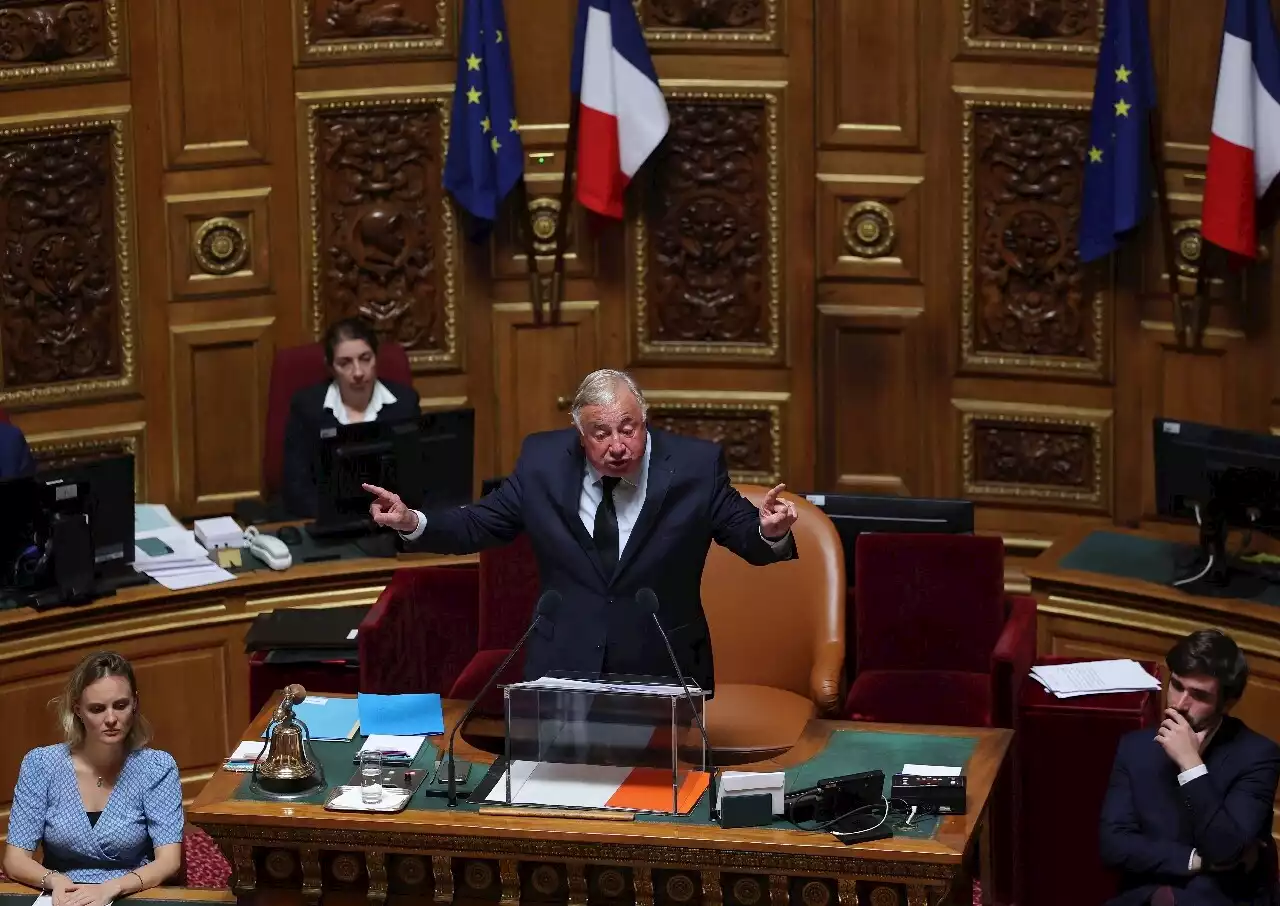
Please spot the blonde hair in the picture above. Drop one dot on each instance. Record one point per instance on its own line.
(600, 388)
(98, 666)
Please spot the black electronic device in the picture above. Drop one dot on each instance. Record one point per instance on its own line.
(109, 504)
(547, 605)
(290, 535)
(24, 532)
(931, 795)
(831, 799)
(855, 514)
(746, 810)
(69, 545)
(1220, 478)
(648, 601)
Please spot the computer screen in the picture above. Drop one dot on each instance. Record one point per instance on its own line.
(854, 514)
(1237, 471)
(446, 450)
(23, 530)
(109, 504)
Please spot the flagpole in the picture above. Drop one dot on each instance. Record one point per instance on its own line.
(530, 255)
(1155, 144)
(566, 208)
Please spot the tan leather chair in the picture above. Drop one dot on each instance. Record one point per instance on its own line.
(778, 636)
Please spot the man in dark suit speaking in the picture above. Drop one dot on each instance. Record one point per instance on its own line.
(1188, 812)
(612, 507)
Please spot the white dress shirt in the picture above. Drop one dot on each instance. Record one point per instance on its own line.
(381, 397)
(628, 501)
(1191, 774)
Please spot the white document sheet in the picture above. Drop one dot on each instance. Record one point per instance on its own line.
(577, 685)
(931, 770)
(560, 785)
(1094, 677)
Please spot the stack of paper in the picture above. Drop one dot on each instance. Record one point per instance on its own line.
(396, 750)
(598, 786)
(172, 556)
(1094, 678)
(219, 533)
(577, 685)
(244, 756)
(147, 517)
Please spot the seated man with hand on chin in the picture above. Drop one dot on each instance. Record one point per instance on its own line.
(1187, 815)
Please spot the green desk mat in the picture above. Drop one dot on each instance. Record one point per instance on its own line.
(1153, 560)
(846, 752)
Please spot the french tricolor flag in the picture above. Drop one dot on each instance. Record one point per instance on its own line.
(1244, 149)
(622, 115)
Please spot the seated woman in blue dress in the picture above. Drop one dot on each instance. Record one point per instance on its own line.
(107, 808)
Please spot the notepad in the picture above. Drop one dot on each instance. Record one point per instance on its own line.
(401, 715)
(328, 718)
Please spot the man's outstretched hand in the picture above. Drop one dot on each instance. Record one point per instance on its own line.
(776, 516)
(390, 511)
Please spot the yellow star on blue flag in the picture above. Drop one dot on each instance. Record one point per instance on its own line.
(485, 161)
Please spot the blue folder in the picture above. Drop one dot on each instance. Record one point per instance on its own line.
(401, 715)
(328, 718)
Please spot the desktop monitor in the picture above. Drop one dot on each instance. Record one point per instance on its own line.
(447, 447)
(24, 530)
(109, 504)
(854, 514)
(1204, 471)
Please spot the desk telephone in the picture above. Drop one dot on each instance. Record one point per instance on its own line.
(268, 548)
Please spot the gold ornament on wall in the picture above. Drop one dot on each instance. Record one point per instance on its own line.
(869, 230)
(1190, 247)
(544, 214)
(221, 246)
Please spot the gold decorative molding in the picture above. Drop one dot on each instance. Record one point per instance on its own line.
(723, 39)
(117, 122)
(869, 230)
(1188, 246)
(1025, 45)
(710, 406)
(309, 50)
(770, 95)
(220, 246)
(313, 105)
(971, 357)
(1094, 451)
(79, 444)
(544, 211)
(112, 64)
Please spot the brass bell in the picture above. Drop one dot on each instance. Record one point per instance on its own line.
(287, 767)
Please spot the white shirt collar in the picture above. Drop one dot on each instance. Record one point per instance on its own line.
(637, 478)
(381, 397)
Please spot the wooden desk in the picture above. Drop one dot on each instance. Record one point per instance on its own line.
(187, 648)
(290, 853)
(21, 895)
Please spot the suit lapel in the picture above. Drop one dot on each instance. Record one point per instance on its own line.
(568, 498)
(658, 483)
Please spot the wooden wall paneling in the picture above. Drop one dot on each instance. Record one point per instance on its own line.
(66, 227)
(328, 32)
(727, 27)
(219, 243)
(1066, 28)
(750, 426)
(219, 376)
(537, 369)
(869, 227)
(212, 75)
(59, 41)
(58, 449)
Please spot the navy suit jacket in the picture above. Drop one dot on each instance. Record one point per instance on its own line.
(1150, 824)
(15, 455)
(689, 503)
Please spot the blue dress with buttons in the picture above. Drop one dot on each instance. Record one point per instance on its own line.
(144, 811)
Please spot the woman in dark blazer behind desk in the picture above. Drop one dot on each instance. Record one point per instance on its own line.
(353, 395)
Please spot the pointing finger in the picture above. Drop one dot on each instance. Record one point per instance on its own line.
(381, 492)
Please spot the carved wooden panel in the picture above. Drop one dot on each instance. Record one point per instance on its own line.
(869, 398)
(42, 41)
(1039, 455)
(214, 67)
(868, 89)
(1026, 303)
(219, 243)
(1045, 26)
(382, 231)
(66, 290)
(708, 249)
(747, 425)
(537, 369)
(869, 228)
(731, 25)
(57, 449)
(220, 372)
(372, 29)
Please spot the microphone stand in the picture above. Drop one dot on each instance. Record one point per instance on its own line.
(706, 742)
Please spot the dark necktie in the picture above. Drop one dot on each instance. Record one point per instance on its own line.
(606, 529)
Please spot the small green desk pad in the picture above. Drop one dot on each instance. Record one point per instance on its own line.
(846, 752)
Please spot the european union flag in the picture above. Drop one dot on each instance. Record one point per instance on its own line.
(486, 158)
(1117, 175)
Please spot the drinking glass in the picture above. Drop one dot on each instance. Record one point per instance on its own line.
(370, 777)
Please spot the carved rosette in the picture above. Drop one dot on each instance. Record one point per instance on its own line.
(55, 41)
(1024, 300)
(67, 306)
(1038, 455)
(60, 449)
(869, 230)
(748, 427)
(221, 246)
(708, 250)
(1021, 26)
(383, 241)
(729, 25)
(330, 30)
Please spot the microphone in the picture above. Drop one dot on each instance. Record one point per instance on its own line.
(648, 601)
(547, 605)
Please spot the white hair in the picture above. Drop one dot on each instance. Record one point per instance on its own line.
(600, 388)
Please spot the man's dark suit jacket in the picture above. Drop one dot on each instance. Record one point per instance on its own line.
(307, 417)
(15, 455)
(689, 502)
(1150, 824)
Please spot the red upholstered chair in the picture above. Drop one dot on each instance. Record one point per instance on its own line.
(4, 416)
(299, 367)
(446, 628)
